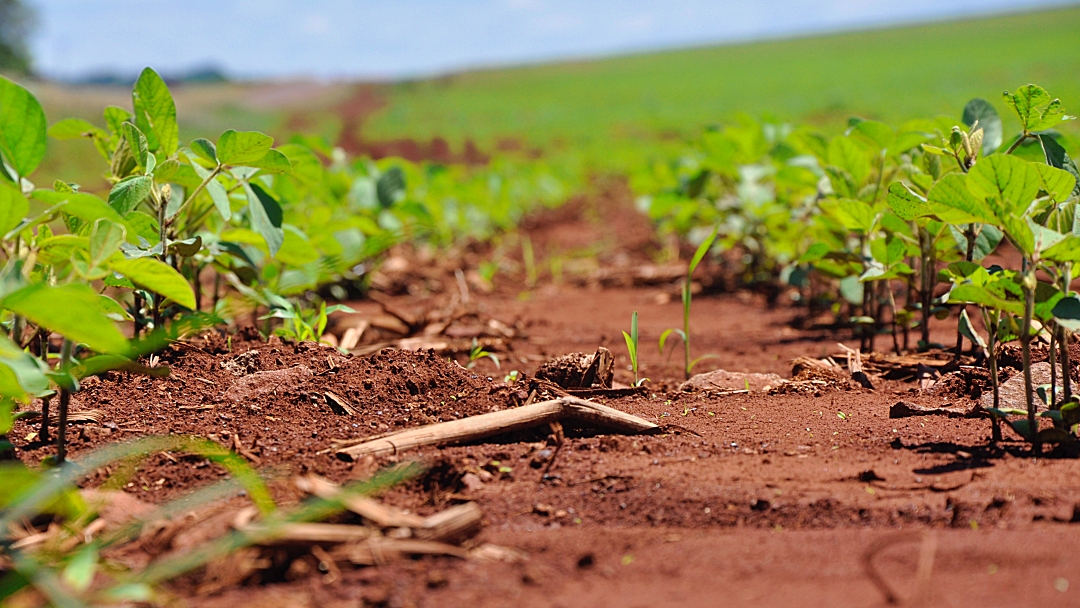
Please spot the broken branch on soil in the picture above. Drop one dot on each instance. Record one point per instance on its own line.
(564, 409)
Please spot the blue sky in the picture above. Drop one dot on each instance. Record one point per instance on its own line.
(330, 39)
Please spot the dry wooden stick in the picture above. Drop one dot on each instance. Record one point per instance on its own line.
(54, 417)
(452, 525)
(379, 550)
(307, 533)
(505, 421)
(372, 510)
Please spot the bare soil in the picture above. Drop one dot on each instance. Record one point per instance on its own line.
(762, 498)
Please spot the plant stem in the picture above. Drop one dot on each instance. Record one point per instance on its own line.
(1066, 365)
(687, 295)
(65, 399)
(992, 326)
(892, 308)
(1053, 370)
(970, 235)
(163, 233)
(1025, 350)
(198, 189)
(926, 247)
(1016, 144)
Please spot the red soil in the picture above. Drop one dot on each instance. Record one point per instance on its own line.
(745, 499)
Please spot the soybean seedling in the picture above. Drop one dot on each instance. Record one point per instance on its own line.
(632, 348)
(684, 333)
(477, 352)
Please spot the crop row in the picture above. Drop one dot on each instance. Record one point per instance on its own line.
(879, 218)
(191, 234)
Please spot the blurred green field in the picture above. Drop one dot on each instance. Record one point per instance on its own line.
(888, 74)
(611, 114)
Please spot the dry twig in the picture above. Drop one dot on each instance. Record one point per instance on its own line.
(570, 409)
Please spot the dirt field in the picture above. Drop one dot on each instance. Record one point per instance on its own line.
(796, 494)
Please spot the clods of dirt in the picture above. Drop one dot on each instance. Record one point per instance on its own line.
(269, 401)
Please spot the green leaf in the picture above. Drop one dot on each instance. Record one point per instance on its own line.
(272, 162)
(306, 167)
(1026, 102)
(173, 171)
(126, 195)
(989, 120)
(1067, 312)
(390, 188)
(1006, 178)
(74, 128)
(241, 148)
(22, 128)
(155, 113)
(1051, 115)
(136, 139)
(86, 207)
(1067, 250)
(115, 117)
(143, 225)
(848, 155)
(1018, 230)
(702, 249)
(216, 191)
(856, 215)
(296, 249)
(952, 201)
(112, 309)
(187, 247)
(968, 330)
(881, 134)
(1057, 157)
(13, 208)
(28, 371)
(70, 310)
(105, 239)
(79, 572)
(667, 333)
(908, 140)
(266, 216)
(205, 149)
(1043, 238)
(1047, 297)
(1055, 182)
(814, 252)
(156, 276)
(852, 290)
(906, 203)
(630, 347)
(975, 294)
(895, 251)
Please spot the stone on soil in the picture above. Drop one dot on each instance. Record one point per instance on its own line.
(1012, 390)
(722, 380)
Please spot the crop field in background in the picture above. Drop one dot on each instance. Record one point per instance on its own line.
(889, 74)
(608, 114)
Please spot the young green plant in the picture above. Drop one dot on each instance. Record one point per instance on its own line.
(687, 296)
(477, 352)
(632, 347)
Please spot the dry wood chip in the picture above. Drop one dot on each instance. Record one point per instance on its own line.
(337, 403)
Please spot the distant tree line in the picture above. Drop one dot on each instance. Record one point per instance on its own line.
(16, 23)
